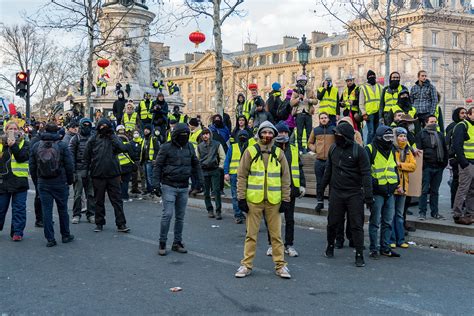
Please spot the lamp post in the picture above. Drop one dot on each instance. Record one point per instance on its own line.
(303, 53)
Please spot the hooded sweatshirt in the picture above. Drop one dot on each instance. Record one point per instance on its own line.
(240, 105)
(450, 130)
(118, 107)
(357, 134)
(211, 154)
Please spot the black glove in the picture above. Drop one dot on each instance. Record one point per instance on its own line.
(243, 206)
(285, 206)
(157, 191)
(369, 202)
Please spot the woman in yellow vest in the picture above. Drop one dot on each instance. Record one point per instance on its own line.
(263, 186)
(14, 155)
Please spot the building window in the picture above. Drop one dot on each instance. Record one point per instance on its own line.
(340, 73)
(263, 60)
(325, 51)
(289, 56)
(199, 105)
(360, 71)
(407, 66)
(212, 86)
(168, 73)
(267, 80)
(434, 38)
(250, 61)
(200, 86)
(383, 45)
(434, 65)
(454, 91)
(342, 50)
(275, 58)
(325, 73)
(243, 84)
(212, 103)
(177, 71)
(226, 83)
(254, 79)
(280, 78)
(190, 104)
(455, 66)
(186, 70)
(408, 39)
(190, 88)
(455, 41)
(361, 46)
(293, 77)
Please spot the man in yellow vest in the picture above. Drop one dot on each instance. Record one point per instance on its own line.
(130, 118)
(149, 150)
(177, 115)
(194, 139)
(126, 161)
(463, 144)
(263, 186)
(155, 86)
(385, 181)
(249, 103)
(144, 110)
(328, 96)
(349, 101)
(14, 155)
(369, 103)
(389, 98)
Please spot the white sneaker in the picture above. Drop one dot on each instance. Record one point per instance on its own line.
(242, 272)
(91, 219)
(283, 273)
(76, 220)
(291, 251)
(269, 251)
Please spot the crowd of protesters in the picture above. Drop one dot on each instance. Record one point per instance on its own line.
(365, 145)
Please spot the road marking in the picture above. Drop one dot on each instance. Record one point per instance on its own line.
(402, 306)
(198, 254)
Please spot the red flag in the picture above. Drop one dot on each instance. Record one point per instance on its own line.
(12, 109)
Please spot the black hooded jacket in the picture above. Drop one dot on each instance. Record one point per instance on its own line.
(175, 164)
(450, 131)
(460, 135)
(11, 183)
(273, 102)
(118, 107)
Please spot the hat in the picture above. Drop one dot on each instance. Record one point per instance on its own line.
(370, 73)
(350, 77)
(173, 121)
(276, 86)
(72, 124)
(407, 118)
(301, 78)
(103, 121)
(194, 122)
(243, 133)
(119, 128)
(147, 126)
(258, 101)
(51, 127)
(328, 78)
(253, 86)
(175, 108)
(382, 130)
(345, 130)
(265, 126)
(84, 121)
(282, 127)
(400, 131)
(289, 92)
(206, 130)
(404, 91)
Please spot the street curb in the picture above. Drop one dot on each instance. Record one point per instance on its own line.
(422, 238)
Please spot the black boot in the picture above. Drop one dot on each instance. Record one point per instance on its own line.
(319, 207)
(359, 260)
(329, 251)
(339, 244)
(162, 249)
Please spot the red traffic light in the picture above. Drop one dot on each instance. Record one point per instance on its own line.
(21, 76)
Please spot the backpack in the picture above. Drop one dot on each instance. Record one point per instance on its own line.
(355, 150)
(284, 110)
(49, 159)
(273, 154)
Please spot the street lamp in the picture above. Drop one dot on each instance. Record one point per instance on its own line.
(303, 53)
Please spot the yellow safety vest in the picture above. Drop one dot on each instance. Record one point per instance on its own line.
(155, 84)
(193, 136)
(411, 112)
(384, 170)
(246, 108)
(346, 97)
(235, 160)
(436, 113)
(304, 138)
(259, 175)
(144, 112)
(391, 99)
(173, 117)
(123, 159)
(372, 99)
(168, 139)
(151, 150)
(329, 102)
(469, 144)
(19, 169)
(295, 166)
(130, 122)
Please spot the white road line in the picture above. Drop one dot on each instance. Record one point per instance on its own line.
(197, 254)
(404, 307)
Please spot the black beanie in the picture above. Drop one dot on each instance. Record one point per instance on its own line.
(194, 122)
(370, 73)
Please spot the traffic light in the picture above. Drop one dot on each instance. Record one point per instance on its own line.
(21, 87)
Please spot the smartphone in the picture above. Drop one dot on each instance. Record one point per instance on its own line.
(11, 135)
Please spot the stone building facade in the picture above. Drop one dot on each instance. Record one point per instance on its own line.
(443, 47)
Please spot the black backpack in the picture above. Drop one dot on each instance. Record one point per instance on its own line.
(284, 110)
(49, 159)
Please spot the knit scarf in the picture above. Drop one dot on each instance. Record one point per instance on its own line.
(435, 140)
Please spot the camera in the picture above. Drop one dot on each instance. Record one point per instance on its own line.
(300, 89)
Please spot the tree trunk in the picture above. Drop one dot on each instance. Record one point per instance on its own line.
(90, 60)
(387, 39)
(218, 51)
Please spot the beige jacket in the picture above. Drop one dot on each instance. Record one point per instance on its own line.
(244, 169)
(306, 105)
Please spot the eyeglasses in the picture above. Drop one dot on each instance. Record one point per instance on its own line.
(387, 137)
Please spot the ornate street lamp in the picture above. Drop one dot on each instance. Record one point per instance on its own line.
(303, 53)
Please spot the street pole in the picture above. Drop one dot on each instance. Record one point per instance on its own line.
(27, 97)
(444, 89)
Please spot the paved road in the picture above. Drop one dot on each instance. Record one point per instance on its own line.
(114, 274)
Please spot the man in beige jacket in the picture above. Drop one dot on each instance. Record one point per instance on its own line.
(263, 187)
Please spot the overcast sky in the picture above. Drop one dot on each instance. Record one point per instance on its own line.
(265, 22)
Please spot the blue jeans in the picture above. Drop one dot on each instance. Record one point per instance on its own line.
(148, 168)
(175, 201)
(398, 228)
(371, 126)
(431, 181)
(18, 211)
(381, 213)
(235, 202)
(124, 181)
(48, 194)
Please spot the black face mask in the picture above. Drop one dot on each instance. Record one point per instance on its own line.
(372, 80)
(86, 130)
(404, 102)
(182, 139)
(340, 140)
(242, 140)
(394, 84)
(218, 124)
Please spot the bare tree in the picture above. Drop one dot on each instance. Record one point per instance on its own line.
(379, 24)
(218, 11)
(461, 70)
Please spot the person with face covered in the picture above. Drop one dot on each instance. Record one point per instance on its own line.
(103, 166)
(231, 164)
(348, 176)
(130, 118)
(385, 181)
(177, 115)
(263, 186)
(175, 163)
(82, 181)
(149, 150)
(369, 103)
(390, 97)
(328, 96)
(435, 159)
(160, 116)
(258, 112)
(219, 131)
(145, 109)
(403, 104)
(138, 175)
(211, 156)
(119, 106)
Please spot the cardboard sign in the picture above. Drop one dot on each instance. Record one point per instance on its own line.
(414, 178)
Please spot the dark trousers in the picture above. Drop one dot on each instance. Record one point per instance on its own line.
(289, 224)
(138, 176)
(455, 182)
(340, 231)
(38, 211)
(319, 167)
(125, 178)
(50, 193)
(195, 183)
(83, 183)
(112, 187)
(212, 182)
(303, 121)
(431, 181)
(340, 204)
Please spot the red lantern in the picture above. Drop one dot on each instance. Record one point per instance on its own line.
(103, 63)
(197, 38)
(469, 101)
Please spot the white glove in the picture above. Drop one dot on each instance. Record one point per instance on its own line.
(302, 192)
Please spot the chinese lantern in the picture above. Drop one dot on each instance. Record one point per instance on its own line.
(469, 101)
(103, 63)
(197, 38)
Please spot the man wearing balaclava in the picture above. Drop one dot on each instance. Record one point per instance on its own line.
(390, 96)
(103, 166)
(348, 176)
(175, 163)
(369, 103)
(274, 101)
(385, 181)
(119, 106)
(263, 186)
(82, 181)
